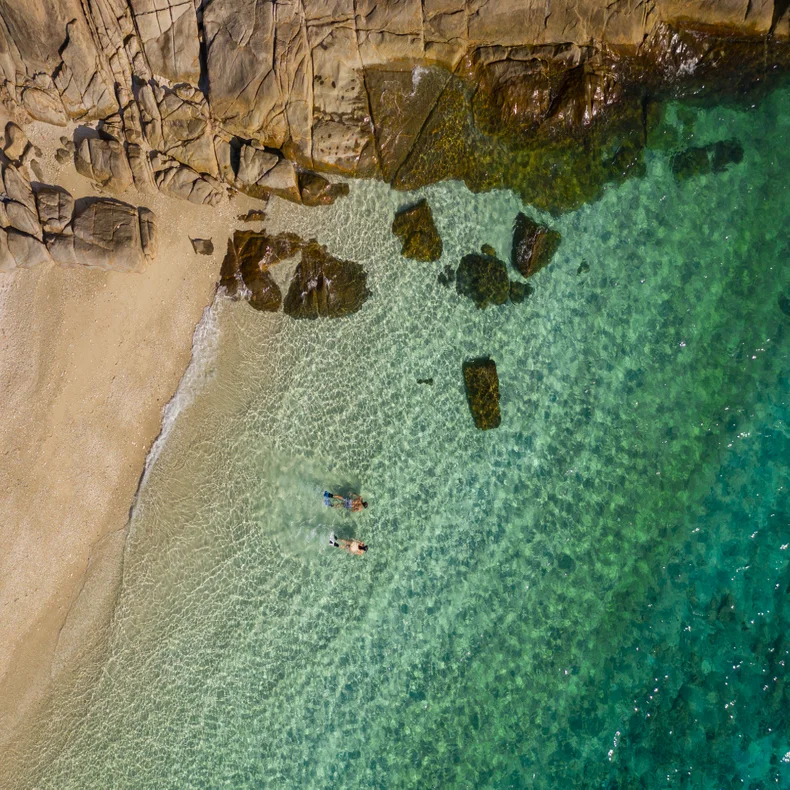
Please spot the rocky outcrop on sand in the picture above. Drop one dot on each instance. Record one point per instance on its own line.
(254, 96)
(245, 268)
(482, 392)
(324, 286)
(415, 228)
(202, 246)
(534, 245)
(321, 286)
(46, 224)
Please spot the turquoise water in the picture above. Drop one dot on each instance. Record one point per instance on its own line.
(590, 596)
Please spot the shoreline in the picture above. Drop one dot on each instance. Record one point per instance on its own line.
(89, 361)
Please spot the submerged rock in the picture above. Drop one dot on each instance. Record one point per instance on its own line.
(447, 276)
(534, 245)
(415, 227)
(483, 279)
(519, 291)
(712, 158)
(784, 304)
(324, 286)
(482, 392)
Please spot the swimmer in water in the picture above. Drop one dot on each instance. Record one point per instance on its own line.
(352, 502)
(351, 546)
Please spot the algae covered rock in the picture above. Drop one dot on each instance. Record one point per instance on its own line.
(324, 286)
(534, 245)
(482, 278)
(519, 292)
(713, 158)
(249, 256)
(415, 227)
(482, 392)
(315, 190)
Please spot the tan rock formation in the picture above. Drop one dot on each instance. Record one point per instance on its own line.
(362, 88)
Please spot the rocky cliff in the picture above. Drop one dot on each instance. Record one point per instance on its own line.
(207, 95)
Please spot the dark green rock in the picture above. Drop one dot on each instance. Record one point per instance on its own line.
(699, 160)
(519, 292)
(691, 162)
(325, 287)
(784, 304)
(415, 227)
(534, 245)
(447, 276)
(584, 267)
(482, 392)
(487, 249)
(483, 279)
(725, 153)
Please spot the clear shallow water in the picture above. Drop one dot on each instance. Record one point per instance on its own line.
(590, 596)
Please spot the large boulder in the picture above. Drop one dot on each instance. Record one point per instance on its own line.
(26, 250)
(483, 279)
(183, 182)
(104, 161)
(16, 142)
(415, 227)
(482, 392)
(325, 287)
(107, 234)
(18, 188)
(7, 261)
(55, 208)
(534, 245)
(315, 190)
(17, 215)
(247, 261)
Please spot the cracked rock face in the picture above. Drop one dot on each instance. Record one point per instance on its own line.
(253, 95)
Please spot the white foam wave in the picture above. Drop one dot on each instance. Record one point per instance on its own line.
(199, 372)
(417, 73)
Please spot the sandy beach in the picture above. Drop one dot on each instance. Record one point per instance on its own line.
(88, 359)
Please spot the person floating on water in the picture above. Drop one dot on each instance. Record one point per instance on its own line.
(351, 546)
(352, 502)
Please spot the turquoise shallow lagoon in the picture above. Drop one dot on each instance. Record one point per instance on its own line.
(592, 595)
